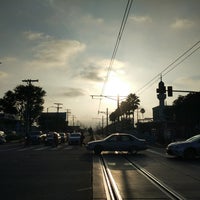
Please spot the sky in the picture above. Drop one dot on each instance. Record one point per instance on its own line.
(67, 45)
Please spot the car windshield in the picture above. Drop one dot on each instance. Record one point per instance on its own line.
(75, 135)
(194, 138)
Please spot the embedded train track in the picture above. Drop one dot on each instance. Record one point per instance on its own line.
(112, 192)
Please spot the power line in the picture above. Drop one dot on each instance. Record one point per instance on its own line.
(121, 30)
(170, 67)
(123, 23)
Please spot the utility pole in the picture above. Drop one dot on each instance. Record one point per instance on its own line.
(68, 112)
(58, 106)
(28, 117)
(73, 117)
(116, 98)
(106, 113)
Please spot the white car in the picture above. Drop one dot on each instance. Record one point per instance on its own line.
(2, 137)
(117, 142)
(74, 138)
(189, 148)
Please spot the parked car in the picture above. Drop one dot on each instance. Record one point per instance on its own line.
(117, 142)
(2, 137)
(188, 149)
(53, 138)
(37, 137)
(63, 137)
(74, 138)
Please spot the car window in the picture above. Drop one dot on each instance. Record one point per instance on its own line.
(75, 135)
(125, 138)
(113, 138)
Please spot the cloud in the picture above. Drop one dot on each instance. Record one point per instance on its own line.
(35, 35)
(73, 92)
(57, 51)
(3, 74)
(141, 19)
(89, 19)
(182, 24)
(91, 73)
(96, 70)
(191, 82)
(8, 59)
(51, 52)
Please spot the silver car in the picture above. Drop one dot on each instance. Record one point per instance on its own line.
(188, 149)
(117, 142)
(74, 138)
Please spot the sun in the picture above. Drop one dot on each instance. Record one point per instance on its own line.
(116, 86)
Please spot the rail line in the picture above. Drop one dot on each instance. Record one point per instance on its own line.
(113, 192)
(162, 186)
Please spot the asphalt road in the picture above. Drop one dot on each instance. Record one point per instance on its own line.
(61, 173)
(71, 172)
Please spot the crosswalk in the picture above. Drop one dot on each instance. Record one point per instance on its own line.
(21, 148)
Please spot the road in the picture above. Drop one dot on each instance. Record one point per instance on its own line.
(43, 172)
(70, 172)
(179, 176)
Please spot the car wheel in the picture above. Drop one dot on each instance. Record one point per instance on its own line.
(98, 150)
(189, 154)
(132, 150)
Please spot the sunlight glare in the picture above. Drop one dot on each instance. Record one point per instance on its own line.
(116, 86)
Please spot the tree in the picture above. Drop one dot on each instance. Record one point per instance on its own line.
(24, 101)
(8, 103)
(142, 110)
(126, 107)
(187, 109)
(113, 117)
(133, 103)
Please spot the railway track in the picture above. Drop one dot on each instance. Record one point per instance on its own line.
(111, 188)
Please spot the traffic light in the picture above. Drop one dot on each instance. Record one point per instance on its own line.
(161, 88)
(169, 91)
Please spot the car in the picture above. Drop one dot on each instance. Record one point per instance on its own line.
(2, 137)
(63, 137)
(53, 138)
(117, 142)
(37, 137)
(74, 138)
(188, 149)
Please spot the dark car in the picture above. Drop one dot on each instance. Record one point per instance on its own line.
(117, 142)
(188, 149)
(37, 137)
(63, 137)
(53, 138)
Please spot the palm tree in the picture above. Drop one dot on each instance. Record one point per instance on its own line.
(124, 108)
(142, 110)
(133, 103)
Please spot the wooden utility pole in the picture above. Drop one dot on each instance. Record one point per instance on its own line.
(58, 106)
